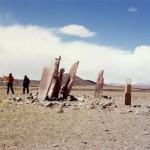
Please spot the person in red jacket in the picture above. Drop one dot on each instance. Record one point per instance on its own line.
(9, 80)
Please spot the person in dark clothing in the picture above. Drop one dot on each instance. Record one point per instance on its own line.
(9, 80)
(26, 83)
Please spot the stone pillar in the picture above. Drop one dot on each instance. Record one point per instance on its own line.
(57, 86)
(68, 85)
(99, 85)
(50, 71)
(128, 92)
(55, 78)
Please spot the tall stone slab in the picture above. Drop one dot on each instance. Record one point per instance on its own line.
(99, 85)
(68, 86)
(48, 74)
(55, 78)
(57, 86)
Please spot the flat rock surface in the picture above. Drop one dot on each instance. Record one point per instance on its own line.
(76, 125)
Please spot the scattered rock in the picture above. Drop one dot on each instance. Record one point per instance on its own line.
(48, 104)
(148, 106)
(90, 106)
(55, 145)
(80, 99)
(136, 105)
(17, 98)
(84, 142)
(63, 140)
(71, 98)
(129, 110)
(13, 110)
(106, 97)
(107, 104)
(146, 133)
(59, 110)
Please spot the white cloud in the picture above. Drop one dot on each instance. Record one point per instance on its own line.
(26, 49)
(133, 9)
(76, 30)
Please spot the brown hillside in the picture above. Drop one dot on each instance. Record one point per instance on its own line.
(78, 81)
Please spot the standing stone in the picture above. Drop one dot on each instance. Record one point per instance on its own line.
(99, 85)
(46, 80)
(55, 78)
(128, 92)
(57, 86)
(68, 86)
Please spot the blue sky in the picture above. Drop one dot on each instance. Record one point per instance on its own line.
(120, 25)
(114, 24)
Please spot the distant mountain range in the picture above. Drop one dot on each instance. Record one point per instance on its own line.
(143, 86)
(78, 81)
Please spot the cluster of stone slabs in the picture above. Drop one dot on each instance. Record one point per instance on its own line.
(50, 84)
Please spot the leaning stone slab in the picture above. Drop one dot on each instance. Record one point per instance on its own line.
(54, 79)
(99, 85)
(57, 86)
(68, 86)
(46, 80)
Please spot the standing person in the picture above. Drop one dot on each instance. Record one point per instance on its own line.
(9, 80)
(26, 83)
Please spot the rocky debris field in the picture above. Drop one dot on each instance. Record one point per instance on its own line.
(78, 123)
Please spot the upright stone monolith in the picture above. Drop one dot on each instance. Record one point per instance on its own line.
(128, 92)
(49, 71)
(68, 86)
(55, 78)
(99, 85)
(57, 86)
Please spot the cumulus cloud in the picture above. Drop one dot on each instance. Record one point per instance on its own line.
(76, 30)
(133, 9)
(27, 49)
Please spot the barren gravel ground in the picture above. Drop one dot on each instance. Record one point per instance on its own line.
(35, 127)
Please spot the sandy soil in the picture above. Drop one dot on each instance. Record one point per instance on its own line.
(34, 127)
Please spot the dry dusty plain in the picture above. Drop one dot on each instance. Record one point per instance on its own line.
(84, 124)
